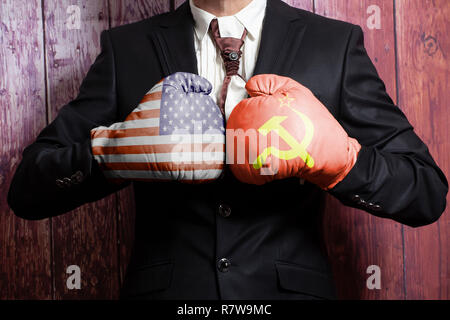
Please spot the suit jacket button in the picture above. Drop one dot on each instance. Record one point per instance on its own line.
(376, 207)
(224, 210)
(60, 183)
(356, 198)
(77, 178)
(362, 202)
(67, 182)
(223, 265)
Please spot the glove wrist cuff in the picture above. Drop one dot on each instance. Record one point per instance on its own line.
(352, 155)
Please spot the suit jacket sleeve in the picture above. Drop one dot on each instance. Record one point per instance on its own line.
(63, 148)
(395, 176)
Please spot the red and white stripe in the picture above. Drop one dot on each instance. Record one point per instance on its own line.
(134, 150)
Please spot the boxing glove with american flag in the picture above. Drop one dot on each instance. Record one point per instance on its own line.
(176, 133)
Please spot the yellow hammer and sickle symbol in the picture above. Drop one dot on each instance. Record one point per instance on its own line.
(297, 149)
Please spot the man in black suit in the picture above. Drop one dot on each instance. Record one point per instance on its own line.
(229, 240)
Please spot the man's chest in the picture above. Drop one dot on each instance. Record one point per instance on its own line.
(302, 59)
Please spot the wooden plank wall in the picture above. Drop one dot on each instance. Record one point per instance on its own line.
(355, 239)
(409, 49)
(24, 246)
(53, 43)
(41, 40)
(78, 238)
(424, 95)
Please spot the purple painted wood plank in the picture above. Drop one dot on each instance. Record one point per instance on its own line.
(128, 11)
(86, 237)
(25, 271)
(178, 3)
(302, 4)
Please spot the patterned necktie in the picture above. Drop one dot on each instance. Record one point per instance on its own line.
(231, 53)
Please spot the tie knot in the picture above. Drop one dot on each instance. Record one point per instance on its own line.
(230, 48)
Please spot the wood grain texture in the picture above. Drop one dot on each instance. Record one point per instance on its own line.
(128, 11)
(25, 271)
(87, 236)
(423, 55)
(380, 43)
(355, 239)
(302, 4)
(177, 3)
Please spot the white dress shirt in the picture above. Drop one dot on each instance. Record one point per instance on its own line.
(209, 60)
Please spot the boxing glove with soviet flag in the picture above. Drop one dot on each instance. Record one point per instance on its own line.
(176, 133)
(284, 131)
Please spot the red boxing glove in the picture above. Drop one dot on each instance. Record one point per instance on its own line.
(284, 131)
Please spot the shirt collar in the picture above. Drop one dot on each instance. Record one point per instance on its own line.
(251, 18)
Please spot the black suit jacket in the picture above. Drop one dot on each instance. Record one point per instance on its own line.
(270, 236)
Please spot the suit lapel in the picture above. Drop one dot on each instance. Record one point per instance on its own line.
(282, 34)
(174, 42)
